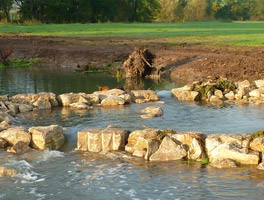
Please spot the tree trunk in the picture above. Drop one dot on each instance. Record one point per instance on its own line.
(7, 16)
(135, 9)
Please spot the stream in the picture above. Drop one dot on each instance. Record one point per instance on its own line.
(68, 174)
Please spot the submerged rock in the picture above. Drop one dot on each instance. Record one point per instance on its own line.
(25, 108)
(18, 148)
(140, 101)
(151, 112)
(224, 163)
(148, 95)
(47, 137)
(16, 134)
(169, 150)
(102, 140)
(79, 106)
(4, 171)
(113, 92)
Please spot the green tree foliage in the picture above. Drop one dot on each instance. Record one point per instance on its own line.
(68, 11)
(257, 10)
(93, 11)
(195, 10)
(5, 7)
(172, 10)
(199, 10)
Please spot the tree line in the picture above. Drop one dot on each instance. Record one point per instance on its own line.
(93, 11)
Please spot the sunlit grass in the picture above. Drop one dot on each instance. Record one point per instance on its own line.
(226, 33)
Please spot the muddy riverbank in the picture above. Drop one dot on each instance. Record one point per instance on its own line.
(181, 62)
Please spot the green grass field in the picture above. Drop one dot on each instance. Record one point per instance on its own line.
(223, 33)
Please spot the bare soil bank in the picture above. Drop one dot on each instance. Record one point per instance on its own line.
(181, 62)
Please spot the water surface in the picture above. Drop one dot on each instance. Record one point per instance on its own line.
(75, 175)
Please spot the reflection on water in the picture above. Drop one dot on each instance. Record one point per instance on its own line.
(74, 175)
(14, 81)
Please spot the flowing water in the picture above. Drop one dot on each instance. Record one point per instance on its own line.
(68, 174)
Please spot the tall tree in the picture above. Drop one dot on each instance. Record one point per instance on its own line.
(195, 10)
(5, 7)
(257, 10)
(144, 10)
(167, 11)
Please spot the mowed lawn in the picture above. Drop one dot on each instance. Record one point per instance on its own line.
(226, 33)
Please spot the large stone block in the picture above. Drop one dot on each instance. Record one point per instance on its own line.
(68, 98)
(102, 140)
(42, 104)
(112, 101)
(47, 137)
(19, 148)
(25, 108)
(4, 98)
(186, 138)
(21, 99)
(230, 151)
(4, 125)
(6, 117)
(13, 108)
(90, 98)
(169, 150)
(138, 140)
(257, 144)
(16, 134)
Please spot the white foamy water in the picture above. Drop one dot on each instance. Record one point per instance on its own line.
(48, 154)
(26, 171)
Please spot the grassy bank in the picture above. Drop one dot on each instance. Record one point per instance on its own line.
(226, 33)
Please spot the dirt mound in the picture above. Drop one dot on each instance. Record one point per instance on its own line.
(139, 63)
